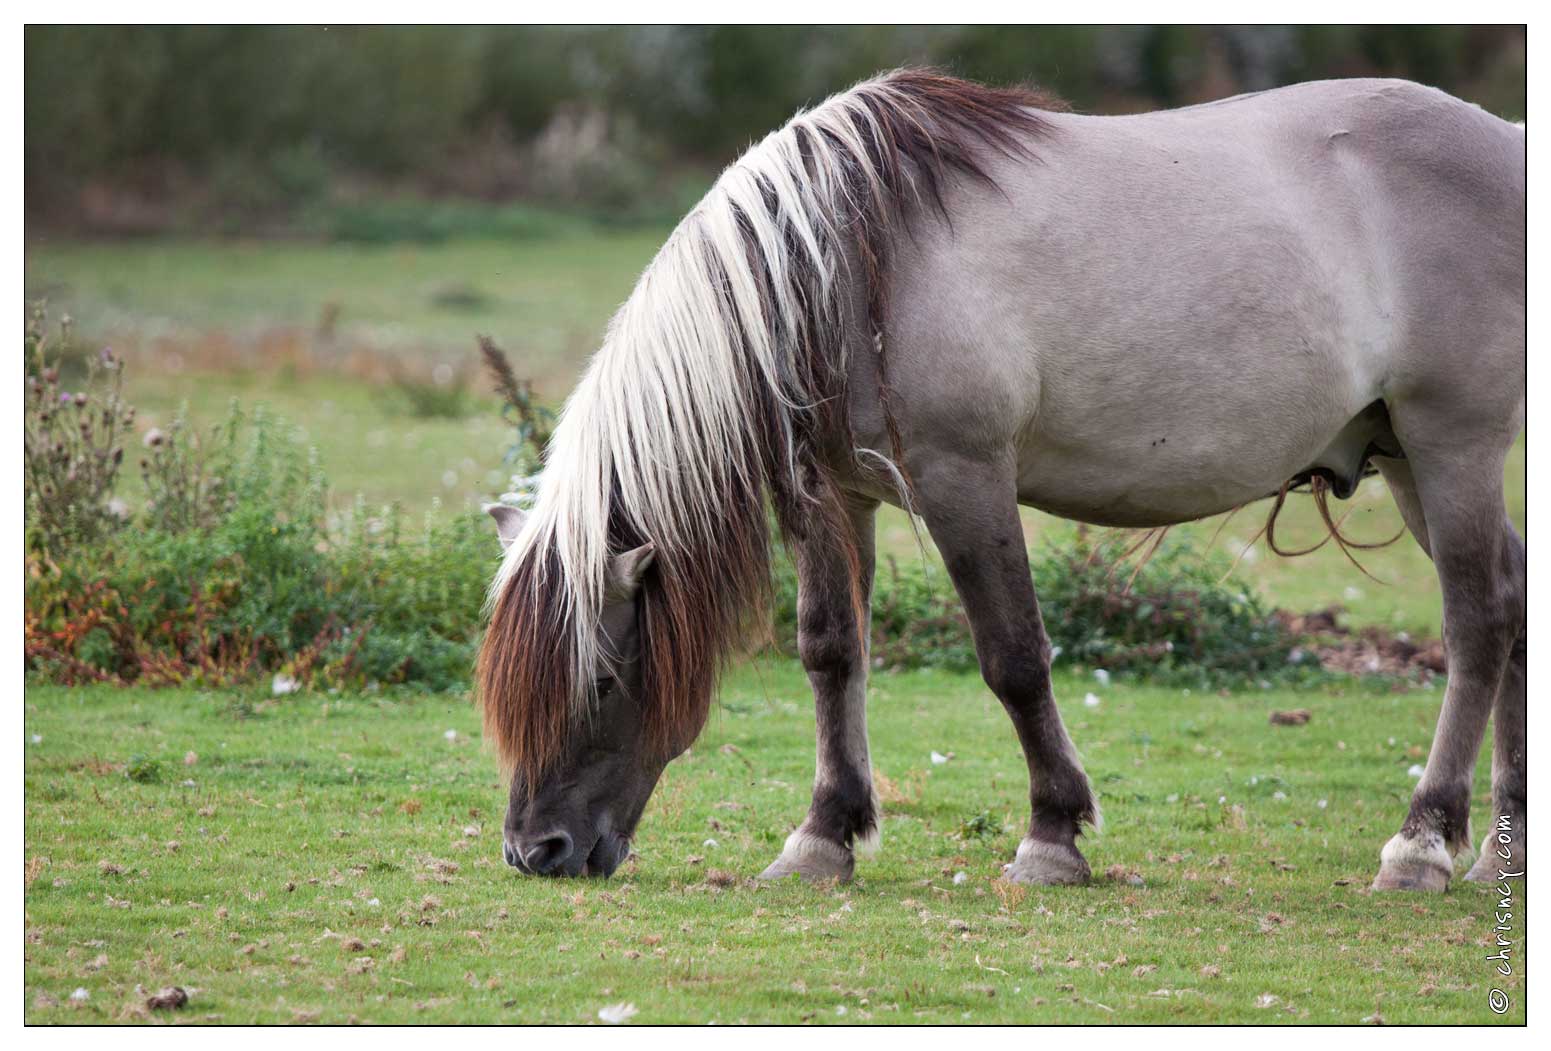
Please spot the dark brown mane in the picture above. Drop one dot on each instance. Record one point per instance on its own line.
(919, 128)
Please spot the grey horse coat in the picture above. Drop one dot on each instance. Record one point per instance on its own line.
(934, 293)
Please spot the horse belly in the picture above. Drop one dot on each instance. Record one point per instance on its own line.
(1113, 487)
(1188, 436)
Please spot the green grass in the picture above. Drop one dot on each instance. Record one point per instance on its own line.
(368, 443)
(278, 830)
(546, 300)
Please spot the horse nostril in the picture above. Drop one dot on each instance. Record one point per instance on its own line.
(509, 852)
(547, 854)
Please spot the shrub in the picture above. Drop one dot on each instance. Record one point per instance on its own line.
(232, 572)
(187, 486)
(1178, 620)
(73, 443)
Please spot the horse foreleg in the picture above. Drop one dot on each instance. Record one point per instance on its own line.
(971, 510)
(833, 590)
(1480, 563)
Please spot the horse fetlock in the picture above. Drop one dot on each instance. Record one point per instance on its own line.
(1421, 861)
(812, 857)
(1048, 864)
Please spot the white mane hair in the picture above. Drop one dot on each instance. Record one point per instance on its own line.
(709, 343)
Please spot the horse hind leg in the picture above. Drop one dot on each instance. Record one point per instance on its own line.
(843, 816)
(1503, 846)
(1503, 849)
(1452, 500)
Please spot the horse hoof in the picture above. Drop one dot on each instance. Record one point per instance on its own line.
(812, 858)
(1047, 864)
(1492, 867)
(1409, 864)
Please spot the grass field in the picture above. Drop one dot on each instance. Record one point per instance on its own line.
(252, 310)
(336, 858)
(547, 299)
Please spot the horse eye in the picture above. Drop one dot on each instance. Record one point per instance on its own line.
(603, 687)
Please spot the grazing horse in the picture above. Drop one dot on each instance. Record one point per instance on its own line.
(960, 299)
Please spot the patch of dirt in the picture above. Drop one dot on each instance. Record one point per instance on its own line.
(171, 998)
(1368, 651)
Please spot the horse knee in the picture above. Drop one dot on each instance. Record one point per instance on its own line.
(1013, 675)
(829, 647)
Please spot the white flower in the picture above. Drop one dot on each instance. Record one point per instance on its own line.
(617, 1014)
(80, 996)
(1416, 770)
(37, 738)
(284, 684)
(1091, 701)
(1101, 675)
(1323, 803)
(938, 759)
(710, 843)
(960, 878)
(451, 735)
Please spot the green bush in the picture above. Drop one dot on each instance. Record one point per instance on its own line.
(232, 572)
(1177, 621)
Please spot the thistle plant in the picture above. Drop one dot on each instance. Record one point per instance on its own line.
(532, 422)
(73, 441)
(187, 485)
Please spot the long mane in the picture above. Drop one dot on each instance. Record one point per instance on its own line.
(719, 383)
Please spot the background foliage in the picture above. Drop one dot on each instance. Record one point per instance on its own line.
(136, 128)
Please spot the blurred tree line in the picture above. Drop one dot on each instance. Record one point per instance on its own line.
(133, 128)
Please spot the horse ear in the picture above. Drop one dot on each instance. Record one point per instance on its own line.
(508, 521)
(626, 571)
